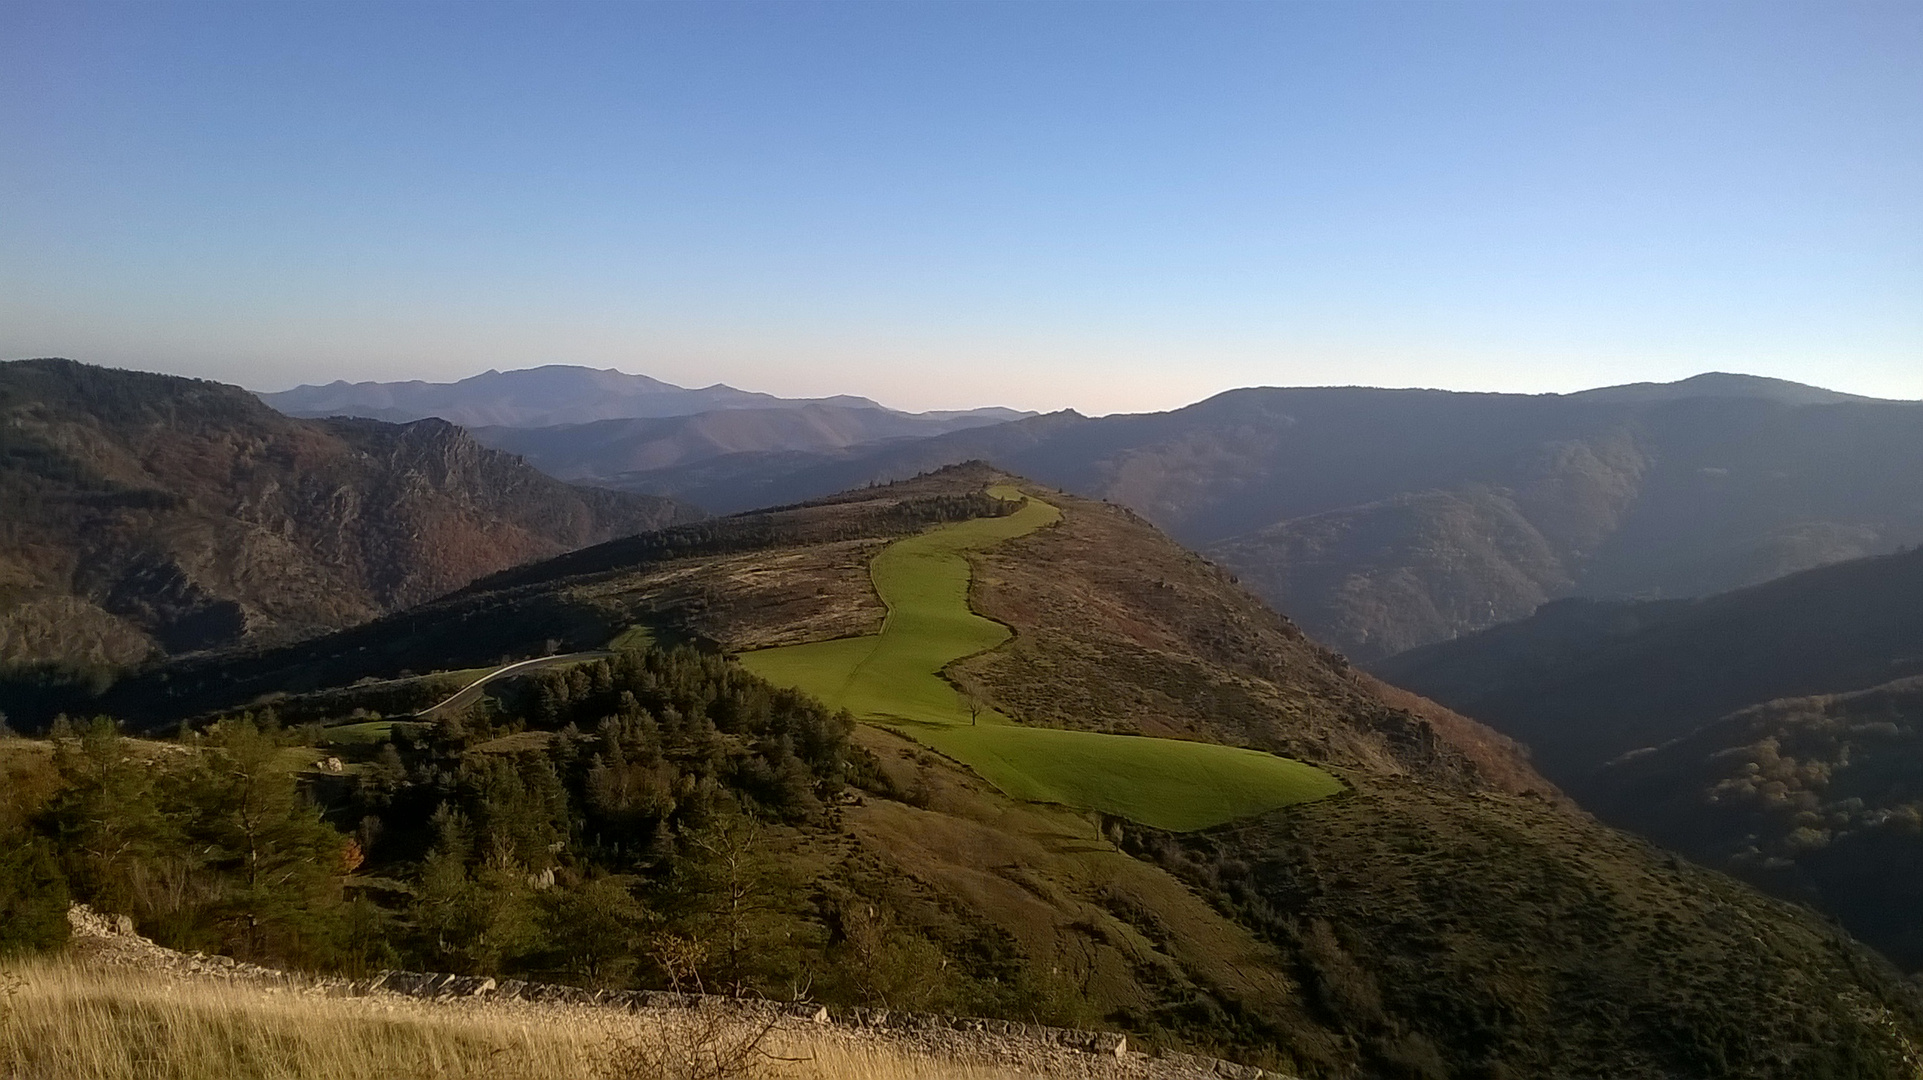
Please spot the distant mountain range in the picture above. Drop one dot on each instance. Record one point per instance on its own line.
(1775, 732)
(146, 513)
(610, 452)
(1388, 519)
(563, 394)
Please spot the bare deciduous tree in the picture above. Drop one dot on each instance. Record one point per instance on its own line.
(708, 1042)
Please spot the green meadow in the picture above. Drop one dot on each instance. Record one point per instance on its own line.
(894, 678)
(634, 637)
(370, 731)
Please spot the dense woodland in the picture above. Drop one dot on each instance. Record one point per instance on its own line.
(645, 821)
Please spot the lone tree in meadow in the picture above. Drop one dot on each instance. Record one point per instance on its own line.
(977, 705)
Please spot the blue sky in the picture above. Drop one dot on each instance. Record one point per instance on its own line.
(1106, 207)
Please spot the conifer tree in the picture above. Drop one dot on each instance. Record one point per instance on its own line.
(106, 821)
(277, 866)
(597, 929)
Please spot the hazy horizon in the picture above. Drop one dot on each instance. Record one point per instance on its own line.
(1110, 208)
(1162, 407)
(1090, 412)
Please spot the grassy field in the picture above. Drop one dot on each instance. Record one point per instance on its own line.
(66, 1021)
(367, 731)
(894, 678)
(634, 637)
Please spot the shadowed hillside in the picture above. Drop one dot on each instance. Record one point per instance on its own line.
(1819, 799)
(1582, 682)
(146, 512)
(1771, 732)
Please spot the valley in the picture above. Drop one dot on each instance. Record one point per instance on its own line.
(1446, 905)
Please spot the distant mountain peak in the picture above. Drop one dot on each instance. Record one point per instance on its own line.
(1721, 384)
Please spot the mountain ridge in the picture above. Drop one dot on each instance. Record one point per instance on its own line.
(148, 512)
(603, 451)
(546, 396)
(1724, 384)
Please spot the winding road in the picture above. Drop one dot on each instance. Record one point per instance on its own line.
(468, 693)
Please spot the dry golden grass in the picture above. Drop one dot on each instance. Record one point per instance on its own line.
(62, 1020)
(69, 1021)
